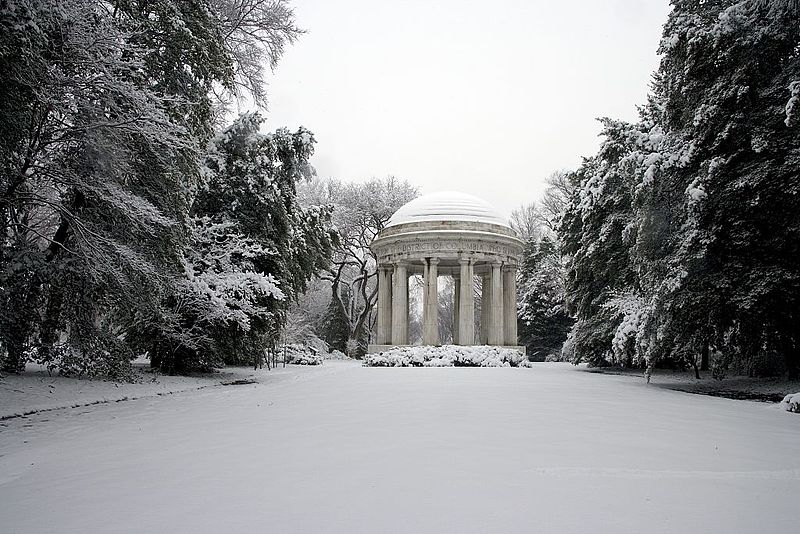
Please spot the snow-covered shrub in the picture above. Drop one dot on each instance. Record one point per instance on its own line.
(316, 343)
(96, 353)
(300, 354)
(354, 348)
(447, 356)
(336, 355)
(791, 403)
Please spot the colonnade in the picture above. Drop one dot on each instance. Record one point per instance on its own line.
(498, 303)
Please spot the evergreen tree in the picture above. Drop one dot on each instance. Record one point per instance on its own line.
(543, 319)
(252, 249)
(105, 111)
(595, 233)
(708, 183)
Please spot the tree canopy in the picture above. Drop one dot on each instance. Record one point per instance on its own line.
(122, 229)
(682, 234)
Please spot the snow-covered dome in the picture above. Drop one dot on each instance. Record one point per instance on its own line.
(447, 206)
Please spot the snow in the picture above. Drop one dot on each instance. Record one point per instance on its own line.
(447, 206)
(696, 192)
(300, 354)
(670, 41)
(346, 448)
(633, 310)
(794, 89)
(36, 390)
(446, 356)
(791, 403)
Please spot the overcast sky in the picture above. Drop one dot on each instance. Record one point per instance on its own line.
(482, 97)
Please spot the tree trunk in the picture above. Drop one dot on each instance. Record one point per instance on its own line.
(792, 361)
(51, 323)
(704, 357)
(360, 330)
(694, 366)
(24, 300)
(15, 356)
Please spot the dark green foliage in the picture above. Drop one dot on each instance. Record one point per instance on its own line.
(595, 239)
(111, 242)
(543, 319)
(709, 184)
(252, 249)
(335, 327)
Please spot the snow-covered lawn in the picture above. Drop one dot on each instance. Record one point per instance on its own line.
(37, 391)
(345, 448)
(772, 389)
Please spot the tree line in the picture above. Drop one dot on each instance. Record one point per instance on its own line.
(682, 235)
(135, 219)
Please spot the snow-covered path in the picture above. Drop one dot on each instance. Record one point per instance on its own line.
(344, 448)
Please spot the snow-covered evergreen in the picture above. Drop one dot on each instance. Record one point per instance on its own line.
(108, 244)
(681, 236)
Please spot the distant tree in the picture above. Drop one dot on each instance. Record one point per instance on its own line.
(553, 204)
(360, 212)
(543, 322)
(446, 314)
(527, 221)
(306, 314)
(543, 319)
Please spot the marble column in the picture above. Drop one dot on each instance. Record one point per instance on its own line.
(486, 304)
(510, 305)
(466, 304)
(430, 303)
(384, 326)
(456, 307)
(400, 305)
(496, 307)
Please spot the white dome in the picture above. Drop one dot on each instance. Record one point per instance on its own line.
(447, 206)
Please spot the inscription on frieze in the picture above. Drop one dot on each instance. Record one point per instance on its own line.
(438, 246)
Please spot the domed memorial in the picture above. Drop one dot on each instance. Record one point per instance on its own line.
(448, 234)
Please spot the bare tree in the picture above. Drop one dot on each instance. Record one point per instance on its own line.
(361, 210)
(534, 221)
(446, 309)
(255, 34)
(527, 221)
(555, 198)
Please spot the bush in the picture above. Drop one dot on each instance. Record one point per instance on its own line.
(791, 403)
(447, 356)
(300, 354)
(336, 355)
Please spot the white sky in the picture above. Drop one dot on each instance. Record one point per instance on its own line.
(482, 97)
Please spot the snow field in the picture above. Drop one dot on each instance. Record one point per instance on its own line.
(345, 448)
(38, 391)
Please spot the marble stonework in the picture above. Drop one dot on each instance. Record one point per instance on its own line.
(448, 234)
